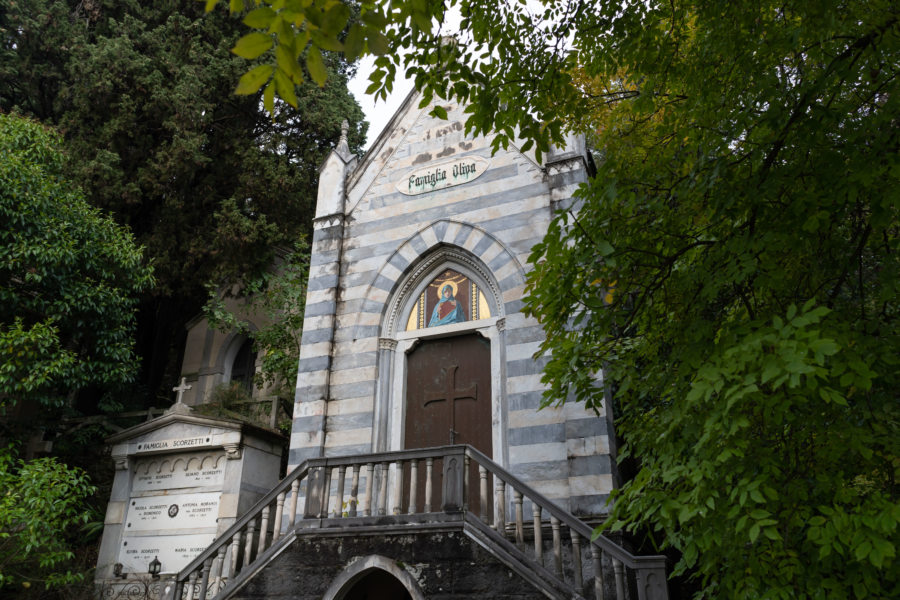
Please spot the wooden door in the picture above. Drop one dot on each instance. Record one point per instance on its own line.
(448, 397)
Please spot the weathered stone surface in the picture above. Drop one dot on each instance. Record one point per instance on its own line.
(446, 565)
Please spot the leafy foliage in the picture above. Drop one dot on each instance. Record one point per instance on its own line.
(208, 182)
(733, 265)
(41, 505)
(733, 268)
(69, 277)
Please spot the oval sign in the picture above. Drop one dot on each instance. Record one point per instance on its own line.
(444, 175)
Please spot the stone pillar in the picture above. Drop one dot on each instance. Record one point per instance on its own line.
(322, 295)
(380, 432)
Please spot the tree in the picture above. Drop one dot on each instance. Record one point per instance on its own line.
(208, 182)
(69, 278)
(41, 505)
(733, 265)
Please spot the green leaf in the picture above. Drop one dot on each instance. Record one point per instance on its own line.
(252, 45)
(354, 43)
(439, 111)
(253, 79)
(269, 97)
(378, 43)
(259, 18)
(316, 67)
(288, 63)
(754, 532)
(336, 18)
(285, 88)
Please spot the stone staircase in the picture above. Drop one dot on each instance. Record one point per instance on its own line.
(447, 489)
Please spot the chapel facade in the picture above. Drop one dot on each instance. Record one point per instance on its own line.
(419, 257)
(420, 464)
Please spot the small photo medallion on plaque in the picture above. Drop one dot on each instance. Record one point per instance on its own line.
(173, 510)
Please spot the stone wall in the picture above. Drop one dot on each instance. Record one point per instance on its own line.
(444, 565)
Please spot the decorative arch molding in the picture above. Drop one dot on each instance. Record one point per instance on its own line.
(397, 309)
(476, 254)
(361, 566)
(443, 241)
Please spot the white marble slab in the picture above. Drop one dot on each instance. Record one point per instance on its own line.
(174, 551)
(174, 511)
(194, 469)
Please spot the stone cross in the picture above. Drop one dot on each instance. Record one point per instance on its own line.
(181, 389)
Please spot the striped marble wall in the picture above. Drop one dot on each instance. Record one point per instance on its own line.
(367, 252)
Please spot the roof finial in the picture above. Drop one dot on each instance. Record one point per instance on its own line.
(343, 148)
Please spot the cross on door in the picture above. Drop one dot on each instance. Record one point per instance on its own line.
(450, 394)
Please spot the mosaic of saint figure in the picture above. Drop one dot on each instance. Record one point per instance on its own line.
(447, 310)
(450, 297)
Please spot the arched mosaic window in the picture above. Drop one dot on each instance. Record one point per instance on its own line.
(451, 297)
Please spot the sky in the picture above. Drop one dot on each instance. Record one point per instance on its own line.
(377, 113)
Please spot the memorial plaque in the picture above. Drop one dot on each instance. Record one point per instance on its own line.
(444, 175)
(195, 469)
(173, 551)
(174, 444)
(174, 511)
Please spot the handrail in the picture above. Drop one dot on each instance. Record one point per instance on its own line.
(570, 520)
(251, 513)
(386, 483)
(298, 472)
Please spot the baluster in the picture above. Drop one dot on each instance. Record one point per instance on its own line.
(248, 547)
(295, 493)
(597, 556)
(557, 546)
(235, 554)
(192, 583)
(619, 570)
(326, 492)
(429, 468)
(279, 514)
(263, 530)
(397, 491)
(413, 484)
(500, 517)
(382, 490)
(520, 526)
(354, 491)
(179, 590)
(204, 578)
(485, 509)
(370, 480)
(466, 482)
(538, 538)
(339, 509)
(220, 564)
(576, 561)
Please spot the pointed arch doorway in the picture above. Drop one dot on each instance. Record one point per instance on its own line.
(443, 333)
